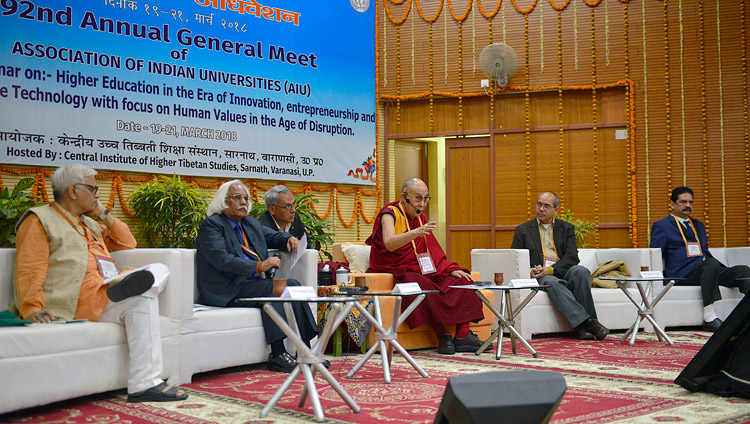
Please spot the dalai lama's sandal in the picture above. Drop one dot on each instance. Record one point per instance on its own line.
(160, 393)
(133, 284)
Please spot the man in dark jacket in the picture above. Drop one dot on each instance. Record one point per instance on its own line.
(232, 261)
(281, 214)
(684, 247)
(554, 258)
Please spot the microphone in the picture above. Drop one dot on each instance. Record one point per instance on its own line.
(272, 272)
(418, 211)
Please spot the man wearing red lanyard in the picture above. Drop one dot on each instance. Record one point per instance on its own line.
(686, 255)
(62, 259)
(403, 245)
(554, 257)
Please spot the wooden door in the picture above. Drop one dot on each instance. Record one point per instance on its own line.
(469, 203)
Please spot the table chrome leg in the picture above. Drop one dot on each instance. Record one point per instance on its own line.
(280, 392)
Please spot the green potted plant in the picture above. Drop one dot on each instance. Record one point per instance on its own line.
(12, 206)
(170, 211)
(319, 231)
(583, 228)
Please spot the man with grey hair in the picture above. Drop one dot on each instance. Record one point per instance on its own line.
(232, 263)
(62, 260)
(281, 212)
(554, 258)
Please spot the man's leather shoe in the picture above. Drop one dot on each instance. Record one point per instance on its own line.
(582, 333)
(470, 343)
(712, 326)
(281, 363)
(445, 345)
(597, 329)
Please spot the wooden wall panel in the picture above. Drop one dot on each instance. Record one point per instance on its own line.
(463, 242)
(469, 185)
(689, 130)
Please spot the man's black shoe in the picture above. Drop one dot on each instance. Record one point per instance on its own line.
(134, 284)
(582, 333)
(470, 343)
(281, 363)
(445, 345)
(597, 329)
(326, 363)
(712, 326)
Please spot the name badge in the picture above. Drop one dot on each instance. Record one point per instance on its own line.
(425, 263)
(693, 249)
(549, 261)
(107, 267)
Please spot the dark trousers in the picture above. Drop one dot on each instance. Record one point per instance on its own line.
(572, 295)
(308, 328)
(710, 274)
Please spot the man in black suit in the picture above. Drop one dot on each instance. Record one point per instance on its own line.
(281, 214)
(554, 258)
(232, 261)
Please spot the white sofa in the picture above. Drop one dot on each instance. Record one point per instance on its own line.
(682, 306)
(40, 364)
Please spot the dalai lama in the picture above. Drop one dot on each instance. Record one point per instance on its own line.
(403, 245)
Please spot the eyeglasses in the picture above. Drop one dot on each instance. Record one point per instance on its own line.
(419, 198)
(287, 207)
(545, 206)
(238, 197)
(94, 189)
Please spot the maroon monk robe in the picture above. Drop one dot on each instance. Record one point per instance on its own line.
(450, 306)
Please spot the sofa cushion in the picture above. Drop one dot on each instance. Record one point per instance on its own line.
(357, 255)
(222, 319)
(49, 339)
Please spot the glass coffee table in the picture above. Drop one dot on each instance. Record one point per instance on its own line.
(389, 335)
(505, 317)
(310, 359)
(645, 306)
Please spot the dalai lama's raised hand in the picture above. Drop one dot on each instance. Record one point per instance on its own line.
(291, 244)
(425, 229)
(461, 274)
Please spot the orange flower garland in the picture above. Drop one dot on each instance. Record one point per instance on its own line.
(560, 105)
(39, 191)
(667, 105)
(595, 114)
(704, 115)
(527, 108)
(489, 16)
(745, 111)
(460, 21)
(524, 12)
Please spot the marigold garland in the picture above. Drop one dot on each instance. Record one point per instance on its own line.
(745, 109)
(489, 16)
(398, 74)
(560, 120)
(541, 37)
(559, 8)
(721, 125)
(645, 116)
(595, 114)
(682, 97)
(403, 19)
(527, 107)
(39, 191)
(524, 11)
(704, 115)
(667, 104)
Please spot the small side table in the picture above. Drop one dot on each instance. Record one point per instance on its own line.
(390, 335)
(506, 317)
(644, 306)
(310, 359)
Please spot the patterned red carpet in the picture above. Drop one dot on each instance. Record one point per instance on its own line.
(607, 382)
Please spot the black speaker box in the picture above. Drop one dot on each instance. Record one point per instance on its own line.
(724, 350)
(502, 397)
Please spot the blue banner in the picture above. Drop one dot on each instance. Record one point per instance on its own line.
(283, 90)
